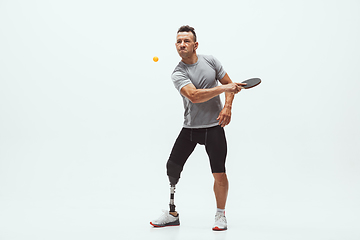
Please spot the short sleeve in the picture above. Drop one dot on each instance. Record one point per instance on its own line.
(180, 80)
(220, 72)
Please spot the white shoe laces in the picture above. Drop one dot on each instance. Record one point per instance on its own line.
(220, 220)
(164, 218)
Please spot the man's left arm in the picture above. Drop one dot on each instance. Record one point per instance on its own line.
(225, 114)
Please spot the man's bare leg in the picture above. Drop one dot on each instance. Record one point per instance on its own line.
(221, 187)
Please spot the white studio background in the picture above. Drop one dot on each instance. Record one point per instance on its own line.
(87, 119)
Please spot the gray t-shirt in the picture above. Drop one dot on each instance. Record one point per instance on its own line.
(205, 73)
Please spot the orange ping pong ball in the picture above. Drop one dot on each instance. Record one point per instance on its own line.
(155, 59)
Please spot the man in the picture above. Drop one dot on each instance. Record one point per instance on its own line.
(196, 78)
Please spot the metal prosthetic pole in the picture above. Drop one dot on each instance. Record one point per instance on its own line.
(173, 182)
(172, 192)
(172, 211)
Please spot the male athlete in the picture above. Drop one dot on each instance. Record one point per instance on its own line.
(196, 78)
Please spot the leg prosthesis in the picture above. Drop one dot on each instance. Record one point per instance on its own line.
(172, 192)
(173, 171)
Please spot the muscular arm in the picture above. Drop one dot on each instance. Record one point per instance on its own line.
(229, 97)
(202, 95)
(225, 114)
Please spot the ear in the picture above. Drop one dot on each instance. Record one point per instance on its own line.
(196, 45)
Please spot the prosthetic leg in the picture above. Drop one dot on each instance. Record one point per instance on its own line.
(173, 172)
(169, 218)
(172, 192)
(173, 182)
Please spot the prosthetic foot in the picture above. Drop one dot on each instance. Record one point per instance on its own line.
(167, 219)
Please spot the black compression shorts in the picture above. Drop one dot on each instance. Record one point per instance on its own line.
(215, 144)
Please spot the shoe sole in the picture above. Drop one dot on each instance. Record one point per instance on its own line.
(159, 226)
(219, 229)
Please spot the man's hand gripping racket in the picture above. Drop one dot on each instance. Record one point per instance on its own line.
(236, 87)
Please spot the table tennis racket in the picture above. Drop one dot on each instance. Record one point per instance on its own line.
(252, 82)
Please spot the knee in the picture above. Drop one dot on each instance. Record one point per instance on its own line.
(220, 178)
(173, 171)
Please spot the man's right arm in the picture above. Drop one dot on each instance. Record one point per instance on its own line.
(202, 95)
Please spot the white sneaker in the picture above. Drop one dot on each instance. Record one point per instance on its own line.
(166, 219)
(220, 222)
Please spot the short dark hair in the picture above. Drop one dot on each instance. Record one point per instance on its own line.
(187, 28)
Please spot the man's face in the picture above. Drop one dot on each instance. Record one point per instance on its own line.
(185, 44)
